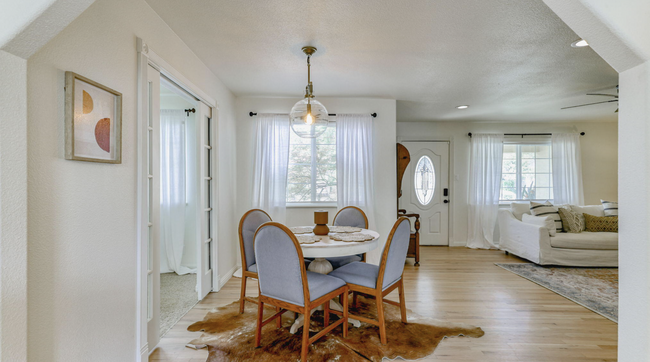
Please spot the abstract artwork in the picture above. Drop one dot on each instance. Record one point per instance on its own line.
(93, 116)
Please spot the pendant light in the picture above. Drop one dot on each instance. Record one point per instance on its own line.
(309, 117)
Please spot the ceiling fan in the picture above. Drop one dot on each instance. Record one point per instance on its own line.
(614, 99)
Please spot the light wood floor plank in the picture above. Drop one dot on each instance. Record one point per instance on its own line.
(522, 321)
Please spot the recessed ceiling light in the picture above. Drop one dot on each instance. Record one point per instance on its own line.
(580, 43)
(462, 107)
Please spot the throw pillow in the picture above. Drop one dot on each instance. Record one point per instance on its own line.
(547, 208)
(520, 208)
(610, 207)
(601, 223)
(545, 221)
(572, 222)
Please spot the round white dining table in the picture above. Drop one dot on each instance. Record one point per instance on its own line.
(328, 248)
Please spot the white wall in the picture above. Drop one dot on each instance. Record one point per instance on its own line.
(82, 216)
(13, 208)
(384, 133)
(599, 159)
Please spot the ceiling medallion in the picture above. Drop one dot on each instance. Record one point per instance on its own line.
(309, 117)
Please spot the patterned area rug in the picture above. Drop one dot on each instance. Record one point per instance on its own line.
(592, 288)
(230, 336)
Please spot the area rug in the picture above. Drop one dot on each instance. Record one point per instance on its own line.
(593, 288)
(230, 336)
(177, 296)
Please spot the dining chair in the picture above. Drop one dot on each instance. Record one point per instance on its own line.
(285, 282)
(379, 281)
(349, 216)
(248, 224)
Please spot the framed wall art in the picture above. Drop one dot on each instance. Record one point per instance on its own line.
(93, 121)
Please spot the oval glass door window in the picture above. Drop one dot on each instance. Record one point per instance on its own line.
(425, 180)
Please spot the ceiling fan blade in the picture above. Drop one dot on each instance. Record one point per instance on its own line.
(589, 104)
(602, 94)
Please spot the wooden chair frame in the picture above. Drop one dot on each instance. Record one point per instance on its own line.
(378, 293)
(245, 274)
(307, 308)
(364, 217)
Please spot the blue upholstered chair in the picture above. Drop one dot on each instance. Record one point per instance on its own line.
(247, 227)
(379, 281)
(285, 282)
(349, 216)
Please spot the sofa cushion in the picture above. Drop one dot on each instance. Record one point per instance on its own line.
(546, 221)
(519, 209)
(610, 207)
(544, 209)
(572, 222)
(601, 223)
(596, 210)
(586, 240)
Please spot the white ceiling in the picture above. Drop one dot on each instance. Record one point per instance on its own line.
(510, 60)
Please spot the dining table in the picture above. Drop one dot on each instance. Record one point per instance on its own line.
(327, 247)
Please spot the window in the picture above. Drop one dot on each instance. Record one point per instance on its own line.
(425, 180)
(527, 172)
(312, 168)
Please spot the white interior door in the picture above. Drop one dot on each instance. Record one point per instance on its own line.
(152, 115)
(425, 190)
(207, 197)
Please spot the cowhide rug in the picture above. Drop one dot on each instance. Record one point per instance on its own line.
(230, 336)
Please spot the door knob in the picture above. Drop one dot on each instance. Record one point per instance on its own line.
(446, 201)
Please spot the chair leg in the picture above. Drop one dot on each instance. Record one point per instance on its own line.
(326, 313)
(278, 320)
(382, 321)
(305, 336)
(354, 299)
(363, 258)
(345, 299)
(402, 300)
(242, 301)
(260, 316)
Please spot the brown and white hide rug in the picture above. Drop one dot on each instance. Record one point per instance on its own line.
(230, 336)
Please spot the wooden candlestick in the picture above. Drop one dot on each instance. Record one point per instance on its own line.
(320, 219)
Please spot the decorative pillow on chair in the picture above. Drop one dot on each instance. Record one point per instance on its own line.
(546, 221)
(547, 208)
(610, 207)
(601, 223)
(572, 222)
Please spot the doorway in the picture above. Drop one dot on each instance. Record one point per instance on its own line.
(426, 189)
(176, 199)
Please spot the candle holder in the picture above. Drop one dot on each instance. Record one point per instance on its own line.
(320, 219)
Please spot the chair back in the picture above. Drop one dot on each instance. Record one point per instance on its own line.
(280, 267)
(248, 224)
(394, 255)
(351, 216)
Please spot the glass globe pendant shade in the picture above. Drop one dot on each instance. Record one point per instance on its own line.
(309, 118)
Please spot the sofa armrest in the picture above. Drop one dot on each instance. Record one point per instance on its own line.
(521, 238)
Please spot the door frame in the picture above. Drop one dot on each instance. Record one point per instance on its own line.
(450, 182)
(145, 58)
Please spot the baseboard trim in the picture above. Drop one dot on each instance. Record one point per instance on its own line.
(144, 353)
(224, 279)
(457, 244)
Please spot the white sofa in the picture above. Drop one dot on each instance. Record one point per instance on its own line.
(532, 242)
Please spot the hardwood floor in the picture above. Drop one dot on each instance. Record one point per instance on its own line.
(522, 321)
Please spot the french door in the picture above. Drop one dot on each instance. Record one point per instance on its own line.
(150, 200)
(425, 189)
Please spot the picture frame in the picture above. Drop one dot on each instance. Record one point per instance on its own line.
(93, 121)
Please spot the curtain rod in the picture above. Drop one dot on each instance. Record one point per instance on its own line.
(528, 134)
(374, 115)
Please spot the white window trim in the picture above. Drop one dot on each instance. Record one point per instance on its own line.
(535, 141)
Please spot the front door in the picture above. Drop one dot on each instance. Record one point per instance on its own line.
(425, 190)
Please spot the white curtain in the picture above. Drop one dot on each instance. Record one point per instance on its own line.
(486, 158)
(271, 165)
(567, 169)
(172, 189)
(354, 163)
